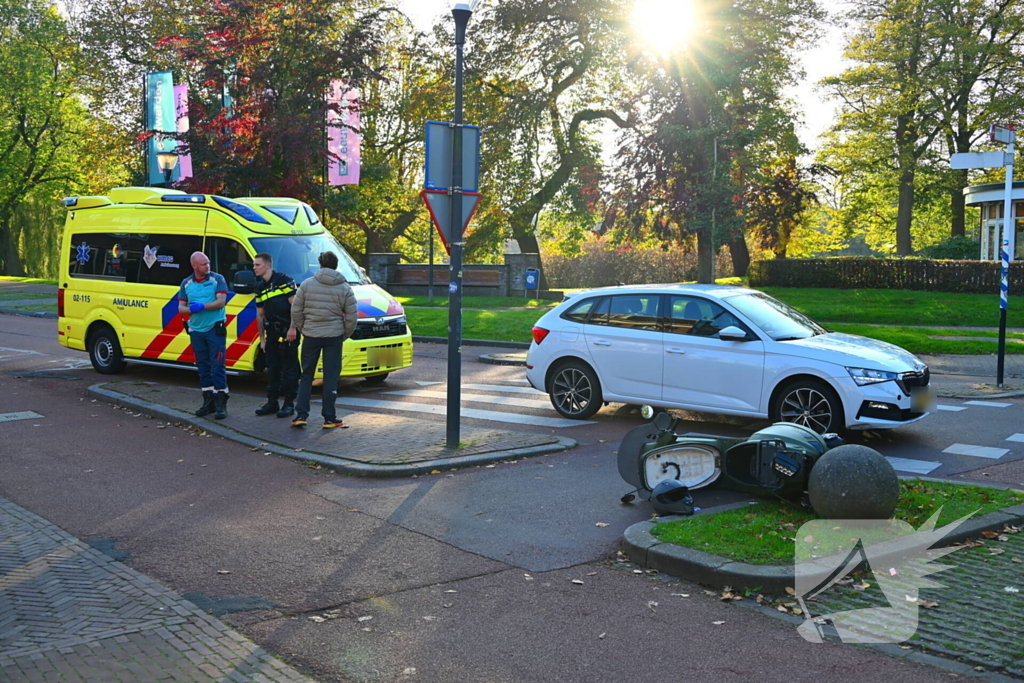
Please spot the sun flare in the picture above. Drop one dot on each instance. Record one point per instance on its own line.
(664, 25)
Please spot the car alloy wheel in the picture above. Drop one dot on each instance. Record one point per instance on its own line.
(810, 404)
(575, 391)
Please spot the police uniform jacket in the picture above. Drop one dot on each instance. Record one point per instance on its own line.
(272, 296)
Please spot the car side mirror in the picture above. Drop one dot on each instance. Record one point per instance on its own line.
(244, 282)
(733, 333)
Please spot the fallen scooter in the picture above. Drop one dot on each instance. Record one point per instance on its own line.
(665, 466)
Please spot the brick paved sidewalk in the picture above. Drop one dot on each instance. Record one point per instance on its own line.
(70, 613)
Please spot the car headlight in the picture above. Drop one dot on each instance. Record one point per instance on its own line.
(863, 376)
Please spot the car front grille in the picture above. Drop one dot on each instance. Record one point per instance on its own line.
(369, 329)
(908, 381)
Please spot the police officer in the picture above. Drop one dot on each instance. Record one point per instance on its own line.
(274, 294)
(203, 296)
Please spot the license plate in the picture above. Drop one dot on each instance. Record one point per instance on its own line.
(384, 357)
(922, 400)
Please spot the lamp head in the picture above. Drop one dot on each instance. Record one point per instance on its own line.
(461, 11)
(167, 161)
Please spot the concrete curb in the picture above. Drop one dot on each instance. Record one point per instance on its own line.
(30, 314)
(473, 342)
(975, 397)
(340, 465)
(719, 572)
(502, 359)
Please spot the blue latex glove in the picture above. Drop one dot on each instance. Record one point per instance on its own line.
(196, 307)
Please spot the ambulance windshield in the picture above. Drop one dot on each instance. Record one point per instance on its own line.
(297, 256)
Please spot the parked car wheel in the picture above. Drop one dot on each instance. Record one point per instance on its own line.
(810, 403)
(575, 391)
(105, 351)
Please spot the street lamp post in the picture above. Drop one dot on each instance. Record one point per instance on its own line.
(167, 161)
(461, 13)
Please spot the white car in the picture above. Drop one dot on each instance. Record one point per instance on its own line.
(719, 349)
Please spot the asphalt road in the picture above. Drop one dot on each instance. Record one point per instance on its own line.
(467, 576)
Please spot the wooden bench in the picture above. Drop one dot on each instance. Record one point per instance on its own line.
(470, 278)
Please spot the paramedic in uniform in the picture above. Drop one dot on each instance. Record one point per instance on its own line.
(203, 296)
(274, 294)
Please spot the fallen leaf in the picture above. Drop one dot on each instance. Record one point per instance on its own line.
(578, 582)
(429, 618)
(717, 623)
(181, 461)
(602, 524)
(254, 449)
(681, 595)
(995, 551)
(1002, 537)
(409, 670)
(782, 608)
(1011, 589)
(450, 591)
(601, 637)
(448, 604)
(435, 471)
(223, 571)
(88, 471)
(808, 539)
(797, 611)
(366, 618)
(927, 604)
(790, 590)
(591, 573)
(638, 571)
(989, 534)
(317, 619)
(1016, 559)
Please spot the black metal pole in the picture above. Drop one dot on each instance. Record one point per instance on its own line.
(430, 269)
(461, 13)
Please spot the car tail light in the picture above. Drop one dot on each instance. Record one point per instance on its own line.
(539, 333)
(60, 303)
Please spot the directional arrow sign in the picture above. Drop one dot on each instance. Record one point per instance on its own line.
(964, 160)
(439, 203)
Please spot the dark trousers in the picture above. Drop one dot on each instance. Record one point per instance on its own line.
(312, 347)
(209, 350)
(282, 358)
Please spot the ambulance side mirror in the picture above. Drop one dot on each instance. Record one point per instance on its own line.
(245, 282)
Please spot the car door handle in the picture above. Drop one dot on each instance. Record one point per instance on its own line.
(601, 342)
(676, 351)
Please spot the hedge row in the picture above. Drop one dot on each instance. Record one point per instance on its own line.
(600, 266)
(980, 277)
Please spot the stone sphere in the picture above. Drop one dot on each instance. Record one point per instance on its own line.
(854, 482)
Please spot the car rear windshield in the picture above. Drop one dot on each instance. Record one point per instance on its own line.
(297, 256)
(778, 320)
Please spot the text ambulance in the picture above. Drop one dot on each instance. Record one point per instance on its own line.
(124, 256)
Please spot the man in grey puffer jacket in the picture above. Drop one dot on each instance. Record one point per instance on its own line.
(325, 312)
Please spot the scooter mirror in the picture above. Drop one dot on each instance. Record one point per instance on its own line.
(647, 412)
(663, 421)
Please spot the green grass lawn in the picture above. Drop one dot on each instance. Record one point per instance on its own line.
(764, 533)
(488, 302)
(495, 325)
(899, 307)
(918, 340)
(17, 296)
(7, 278)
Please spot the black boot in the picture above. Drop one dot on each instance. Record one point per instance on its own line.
(208, 403)
(271, 406)
(288, 408)
(221, 404)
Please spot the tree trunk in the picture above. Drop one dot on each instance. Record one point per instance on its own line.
(740, 256)
(905, 211)
(9, 251)
(705, 258)
(958, 227)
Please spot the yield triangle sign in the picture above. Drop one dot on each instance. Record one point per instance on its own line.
(440, 203)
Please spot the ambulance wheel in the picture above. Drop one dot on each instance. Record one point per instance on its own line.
(105, 351)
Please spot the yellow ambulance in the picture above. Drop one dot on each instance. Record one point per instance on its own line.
(125, 254)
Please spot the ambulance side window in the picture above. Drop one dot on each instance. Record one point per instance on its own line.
(163, 259)
(227, 257)
(97, 256)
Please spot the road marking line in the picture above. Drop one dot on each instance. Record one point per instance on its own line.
(988, 404)
(539, 404)
(34, 353)
(428, 384)
(1019, 438)
(503, 388)
(954, 409)
(515, 418)
(977, 451)
(913, 466)
(14, 417)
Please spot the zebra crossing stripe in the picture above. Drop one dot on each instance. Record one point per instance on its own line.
(14, 417)
(912, 466)
(977, 451)
(504, 389)
(954, 409)
(539, 404)
(988, 404)
(433, 409)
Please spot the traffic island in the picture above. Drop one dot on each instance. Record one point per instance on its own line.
(373, 445)
(974, 615)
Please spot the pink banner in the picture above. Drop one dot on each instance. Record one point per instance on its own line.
(342, 138)
(181, 113)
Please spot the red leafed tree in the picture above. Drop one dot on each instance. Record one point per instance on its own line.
(259, 72)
